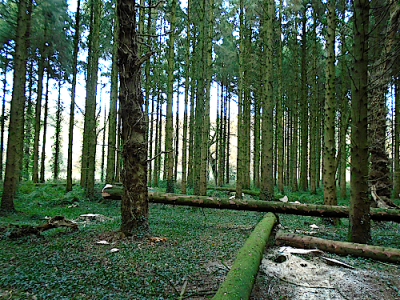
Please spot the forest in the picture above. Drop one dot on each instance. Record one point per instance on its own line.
(153, 137)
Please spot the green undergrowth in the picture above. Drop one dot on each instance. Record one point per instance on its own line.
(70, 265)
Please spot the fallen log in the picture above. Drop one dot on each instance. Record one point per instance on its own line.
(17, 231)
(341, 248)
(325, 211)
(240, 279)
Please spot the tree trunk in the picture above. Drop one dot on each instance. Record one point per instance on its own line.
(329, 135)
(325, 211)
(239, 281)
(103, 145)
(57, 136)
(73, 90)
(112, 114)
(304, 107)
(295, 119)
(169, 154)
(391, 255)
(134, 206)
(267, 182)
(44, 138)
(15, 139)
(38, 110)
(396, 191)
(3, 116)
(359, 218)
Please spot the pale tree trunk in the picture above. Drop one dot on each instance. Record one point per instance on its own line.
(134, 205)
(14, 156)
(28, 124)
(267, 182)
(112, 114)
(329, 135)
(3, 106)
(72, 106)
(170, 95)
(359, 215)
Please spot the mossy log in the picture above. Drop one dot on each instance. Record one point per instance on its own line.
(240, 279)
(341, 248)
(326, 211)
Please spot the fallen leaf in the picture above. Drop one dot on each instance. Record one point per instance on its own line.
(114, 250)
(157, 239)
(103, 243)
(313, 226)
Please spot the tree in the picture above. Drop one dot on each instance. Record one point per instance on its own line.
(329, 135)
(359, 218)
(267, 187)
(134, 204)
(73, 90)
(15, 138)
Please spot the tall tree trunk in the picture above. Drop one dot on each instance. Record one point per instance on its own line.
(38, 110)
(112, 114)
(185, 113)
(89, 131)
(313, 110)
(359, 217)
(329, 134)
(176, 154)
(304, 106)
(57, 136)
(134, 205)
(28, 122)
(73, 88)
(279, 105)
(3, 116)
(267, 187)
(14, 156)
(103, 145)
(294, 144)
(44, 138)
(396, 191)
(119, 159)
(240, 129)
(170, 96)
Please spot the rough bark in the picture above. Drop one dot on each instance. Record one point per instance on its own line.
(267, 182)
(325, 211)
(72, 106)
(396, 191)
(329, 132)
(240, 279)
(134, 205)
(391, 255)
(359, 219)
(112, 119)
(57, 136)
(14, 156)
(170, 95)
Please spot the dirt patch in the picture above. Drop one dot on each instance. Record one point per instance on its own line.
(288, 276)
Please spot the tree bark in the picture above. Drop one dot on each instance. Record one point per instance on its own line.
(329, 132)
(391, 255)
(15, 139)
(239, 281)
(267, 181)
(134, 205)
(359, 219)
(325, 211)
(72, 106)
(44, 138)
(112, 119)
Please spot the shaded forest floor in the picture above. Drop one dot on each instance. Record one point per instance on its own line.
(189, 248)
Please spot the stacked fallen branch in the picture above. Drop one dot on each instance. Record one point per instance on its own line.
(240, 279)
(327, 211)
(341, 248)
(17, 231)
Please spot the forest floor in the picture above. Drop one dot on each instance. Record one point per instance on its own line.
(187, 256)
